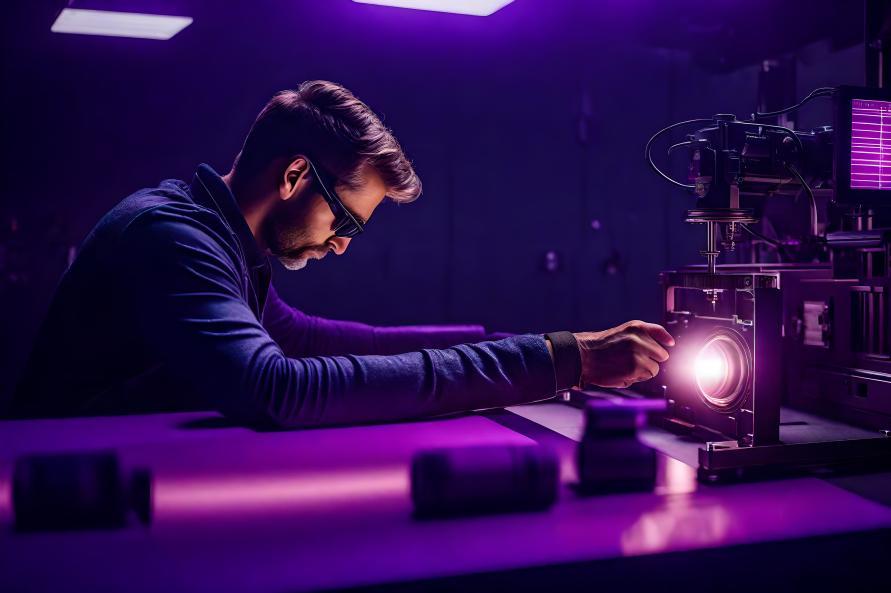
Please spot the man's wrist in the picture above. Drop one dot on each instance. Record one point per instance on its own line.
(567, 359)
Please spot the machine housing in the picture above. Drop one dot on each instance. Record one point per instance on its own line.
(811, 332)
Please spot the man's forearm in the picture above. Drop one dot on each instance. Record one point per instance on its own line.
(347, 389)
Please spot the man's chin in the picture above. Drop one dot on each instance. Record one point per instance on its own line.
(297, 259)
(293, 264)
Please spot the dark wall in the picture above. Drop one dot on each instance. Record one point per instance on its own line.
(526, 127)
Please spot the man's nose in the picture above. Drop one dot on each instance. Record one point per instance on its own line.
(340, 244)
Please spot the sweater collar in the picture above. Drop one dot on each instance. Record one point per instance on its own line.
(209, 190)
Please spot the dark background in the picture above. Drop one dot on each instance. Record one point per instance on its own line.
(527, 128)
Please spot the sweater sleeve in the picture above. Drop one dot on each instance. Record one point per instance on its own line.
(299, 334)
(186, 282)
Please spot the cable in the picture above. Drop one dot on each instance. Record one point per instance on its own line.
(818, 92)
(811, 198)
(781, 249)
(677, 145)
(648, 149)
(758, 235)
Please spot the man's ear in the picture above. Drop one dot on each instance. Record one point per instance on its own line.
(295, 178)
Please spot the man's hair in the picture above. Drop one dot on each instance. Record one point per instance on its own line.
(327, 123)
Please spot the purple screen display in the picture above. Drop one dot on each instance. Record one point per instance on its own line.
(870, 144)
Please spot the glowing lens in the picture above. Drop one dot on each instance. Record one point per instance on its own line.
(721, 371)
(711, 369)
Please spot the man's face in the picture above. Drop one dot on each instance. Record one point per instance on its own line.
(301, 227)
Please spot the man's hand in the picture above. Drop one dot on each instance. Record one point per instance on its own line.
(623, 355)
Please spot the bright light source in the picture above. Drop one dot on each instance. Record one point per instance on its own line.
(711, 370)
(710, 366)
(722, 370)
(474, 7)
(119, 24)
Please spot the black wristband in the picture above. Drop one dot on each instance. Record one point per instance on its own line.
(567, 359)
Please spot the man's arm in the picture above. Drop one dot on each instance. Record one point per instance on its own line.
(187, 291)
(299, 334)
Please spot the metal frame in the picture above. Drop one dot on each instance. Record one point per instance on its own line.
(756, 419)
(722, 456)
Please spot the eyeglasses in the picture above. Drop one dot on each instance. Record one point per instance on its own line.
(346, 224)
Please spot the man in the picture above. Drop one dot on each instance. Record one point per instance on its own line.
(169, 306)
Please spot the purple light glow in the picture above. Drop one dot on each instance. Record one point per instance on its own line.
(471, 7)
(119, 24)
(680, 522)
(6, 514)
(870, 144)
(276, 493)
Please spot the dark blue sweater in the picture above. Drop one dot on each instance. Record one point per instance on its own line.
(163, 310)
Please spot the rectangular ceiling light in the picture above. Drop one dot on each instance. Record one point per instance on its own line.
(119, 24)
(474, 7)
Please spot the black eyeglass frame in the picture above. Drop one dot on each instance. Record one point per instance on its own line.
(346, 224)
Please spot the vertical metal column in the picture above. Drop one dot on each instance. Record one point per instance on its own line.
(711, 245)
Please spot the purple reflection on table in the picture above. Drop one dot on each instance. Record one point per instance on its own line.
(275, 493)
(5, 493)
(307, 510)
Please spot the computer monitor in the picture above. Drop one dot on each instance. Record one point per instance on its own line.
(862, 164)
(870, 161)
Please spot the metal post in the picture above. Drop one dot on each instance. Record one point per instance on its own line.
(711, 239)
